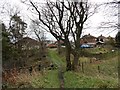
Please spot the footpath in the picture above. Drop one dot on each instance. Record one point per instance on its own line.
(60, 64)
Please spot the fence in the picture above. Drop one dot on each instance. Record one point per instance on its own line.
(83, 65)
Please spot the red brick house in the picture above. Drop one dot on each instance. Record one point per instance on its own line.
(61, 42)
(28, 43)
(52, 45)
(88, 39)
(55, 44)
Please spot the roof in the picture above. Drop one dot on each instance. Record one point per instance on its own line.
(51, 45)
(88, 39)
(60, 42)
(28, 41)
(101, 37)
(88, 36)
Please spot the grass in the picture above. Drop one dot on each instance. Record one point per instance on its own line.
(91, 78)
(23, 80)
(101, 53)
(84, 59)
(77, 80)
(52, 80)
(49, 80)
(45, 79)
(108, 67)
(56, 58)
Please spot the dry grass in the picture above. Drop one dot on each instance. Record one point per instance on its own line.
(26, 78)
(14, 79)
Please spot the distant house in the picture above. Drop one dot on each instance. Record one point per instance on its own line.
(48, 42)
(88, 39)
(53, 45)
(28, 43)
(102, 38)
(61, 42)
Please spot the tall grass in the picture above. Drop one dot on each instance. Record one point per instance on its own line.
(76, 80)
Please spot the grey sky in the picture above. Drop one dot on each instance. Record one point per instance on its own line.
(95, 21)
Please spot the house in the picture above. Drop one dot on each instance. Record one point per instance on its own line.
(28, 43)
(52, 45)
(48, 42)
(101, 38)
(88, 39)
(61, 42)
(55, 44)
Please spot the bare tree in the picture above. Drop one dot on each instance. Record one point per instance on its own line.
(38, 30)
(40, 34)
(17, 28)
(70, 17)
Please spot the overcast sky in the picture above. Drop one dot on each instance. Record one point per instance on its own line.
(103, 14)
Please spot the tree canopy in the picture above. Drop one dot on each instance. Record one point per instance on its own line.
(16, 28)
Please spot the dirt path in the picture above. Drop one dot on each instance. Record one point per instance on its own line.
(60, 64)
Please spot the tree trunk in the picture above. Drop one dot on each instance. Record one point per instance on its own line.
(59, 47)
(68, 61)
(42, 50)
(75, 61)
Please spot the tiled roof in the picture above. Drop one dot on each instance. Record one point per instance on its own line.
(88, 36)
(28, 41)
(101, 36)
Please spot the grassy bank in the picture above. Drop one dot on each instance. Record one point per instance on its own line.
(57, 59)
(79, 80)
(92, 77)
(107, 77)
(48, 80)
